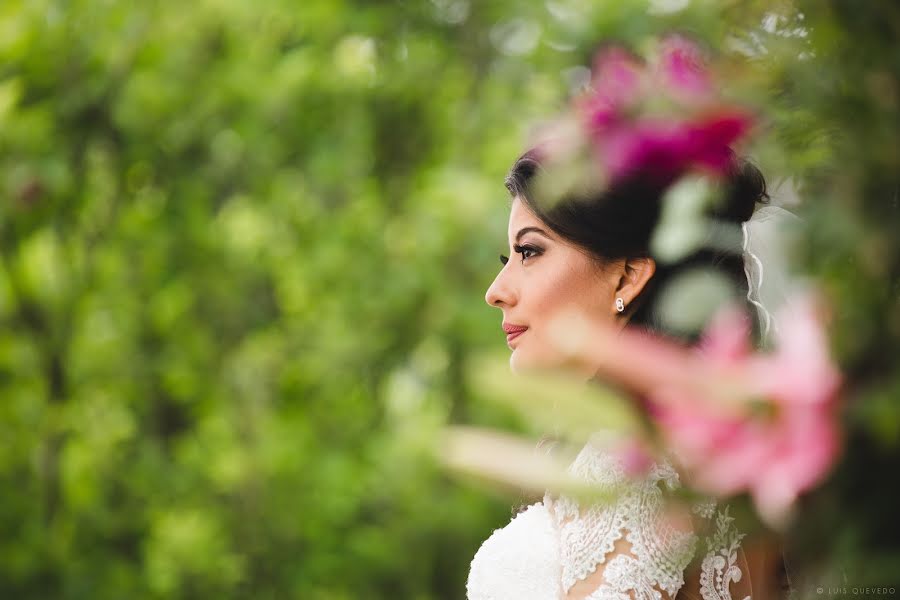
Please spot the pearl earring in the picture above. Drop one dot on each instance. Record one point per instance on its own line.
(620, 305)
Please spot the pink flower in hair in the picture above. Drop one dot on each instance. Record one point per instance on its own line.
(682, 70)
(693, 135)
(618, 83)
(666, 149)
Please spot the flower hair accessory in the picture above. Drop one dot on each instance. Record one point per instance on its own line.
(659, 118)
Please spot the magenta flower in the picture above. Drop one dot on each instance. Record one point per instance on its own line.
(695, 134)
(667, 149)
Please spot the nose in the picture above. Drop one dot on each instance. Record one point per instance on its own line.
(500, 293)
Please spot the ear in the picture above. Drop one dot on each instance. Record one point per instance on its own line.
(636, 273)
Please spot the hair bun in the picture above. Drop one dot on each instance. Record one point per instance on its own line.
(745, 187)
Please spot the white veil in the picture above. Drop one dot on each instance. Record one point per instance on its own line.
(768, 236)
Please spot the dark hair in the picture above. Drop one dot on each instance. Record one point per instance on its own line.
(619, 223)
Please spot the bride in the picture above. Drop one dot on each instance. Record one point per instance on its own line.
(595, 256)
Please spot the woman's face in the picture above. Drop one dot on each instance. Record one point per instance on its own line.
(544, 276)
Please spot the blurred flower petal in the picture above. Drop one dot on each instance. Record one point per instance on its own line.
(779, 452)
(617, 84)
(682, 70)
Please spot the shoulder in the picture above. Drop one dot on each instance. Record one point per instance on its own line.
(520, 560)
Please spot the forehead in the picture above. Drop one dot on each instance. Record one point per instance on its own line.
(521, 216)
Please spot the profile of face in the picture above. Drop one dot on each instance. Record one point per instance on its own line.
(547, 275)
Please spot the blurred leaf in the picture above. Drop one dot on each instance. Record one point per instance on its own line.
(554, 401)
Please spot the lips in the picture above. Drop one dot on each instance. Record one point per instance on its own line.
(513, 331)
(510, 328)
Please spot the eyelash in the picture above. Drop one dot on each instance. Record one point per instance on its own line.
(522, 250)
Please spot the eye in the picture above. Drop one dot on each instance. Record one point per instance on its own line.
(527, 251)
(504, 259)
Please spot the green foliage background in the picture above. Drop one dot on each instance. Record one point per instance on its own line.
(243, 249)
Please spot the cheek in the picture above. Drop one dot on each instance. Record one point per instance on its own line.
(557, 284)
(594, 290)
(575, 285)
(568, 282)
(559, 290)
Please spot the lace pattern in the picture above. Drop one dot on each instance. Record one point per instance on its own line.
(719, 568)
(659, 552)
(556, 544)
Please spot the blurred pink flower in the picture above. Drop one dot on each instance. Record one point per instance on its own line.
(682, 70)
(617, 84)
(693, 135)
(634, 456)
(785, 440)
(666, 149)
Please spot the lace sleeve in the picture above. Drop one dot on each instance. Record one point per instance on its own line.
(721, 573)
(640, 546)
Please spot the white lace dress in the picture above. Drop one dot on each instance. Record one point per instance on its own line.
(631, 549)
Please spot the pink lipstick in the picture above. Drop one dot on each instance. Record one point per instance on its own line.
(513, 331)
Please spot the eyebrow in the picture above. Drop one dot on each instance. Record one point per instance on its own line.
(525, 230)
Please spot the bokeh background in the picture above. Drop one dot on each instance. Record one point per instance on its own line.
(243, 252)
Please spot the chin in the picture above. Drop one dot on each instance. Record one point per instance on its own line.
(514, 365)
(518, 362)
(521, 360)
